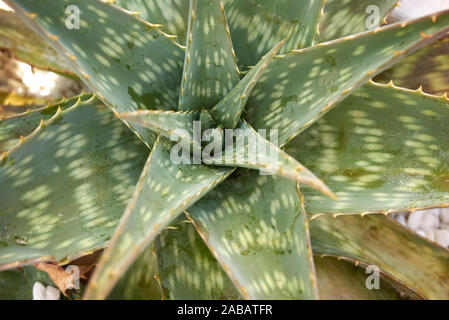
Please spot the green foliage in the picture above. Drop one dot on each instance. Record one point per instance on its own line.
(69, 173)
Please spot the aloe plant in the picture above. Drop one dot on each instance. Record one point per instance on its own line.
(95, 171)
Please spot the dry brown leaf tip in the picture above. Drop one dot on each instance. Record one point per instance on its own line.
(62, 278)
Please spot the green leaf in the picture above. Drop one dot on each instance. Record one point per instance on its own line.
(17, 284)
(256, 229)
(228, 111)
(128, 62)
(21, 125)
(258, 25)
(64, 188)
(260, 154)
(427, 68)
(188, 270)
(341, 280)
(173, 15)
(298, 88)
(383, 149)
(27, 46)
(377, 240)
(250, 149)
(210, 69)
(345, 17)
(140, 281)
(164, 190)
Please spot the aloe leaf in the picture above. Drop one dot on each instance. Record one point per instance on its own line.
(380, 241)
(128, 62)
(345, 17)
(426, 68)
(187, 268)
(260, 154)
(210, 69)
(140, 282)
(265, 156)
(27, 46)
(164, 190)
(65, 186)
(164, 122)
(355, 150)
(342, 280)
(298, 88)
(173, 15)
(14, 127)
(228, 111)
(258, 25)
(17, 284)
(255, 227)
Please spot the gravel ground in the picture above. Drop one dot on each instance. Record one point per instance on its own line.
(432, 224)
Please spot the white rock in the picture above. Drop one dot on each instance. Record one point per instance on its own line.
(401, 219)
(444, 215)
(414, 220)
(39, 291)
(430, 234)
(442, 237)
(421, 233)
(429, 221)
(53, 293)
(410, 9)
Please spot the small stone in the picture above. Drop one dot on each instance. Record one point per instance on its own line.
(39, 291)
(430, 234)
(414, 220)
(52, 293)
(435, 212)
(421, 233)
(429, 221)
(401, 219)
(442, 237)
(444, 215)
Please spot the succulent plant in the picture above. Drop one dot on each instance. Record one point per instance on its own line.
(95, 171)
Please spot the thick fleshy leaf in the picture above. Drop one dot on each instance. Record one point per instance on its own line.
(17, 284)
(130, 63)
(210, 69)
(27, 46)
(21, 125)
(165, 123)
(345, 17)
(228, 111)
(249, 150)
(173, 15)
(188, 270)
(382, 149)
(164, 190)
(65, 187)
(255, 227)
(427, 67)
(341, 280)
(260, 154)
(298, 88)
(258, 25)
(140, 282)
(377, 240)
